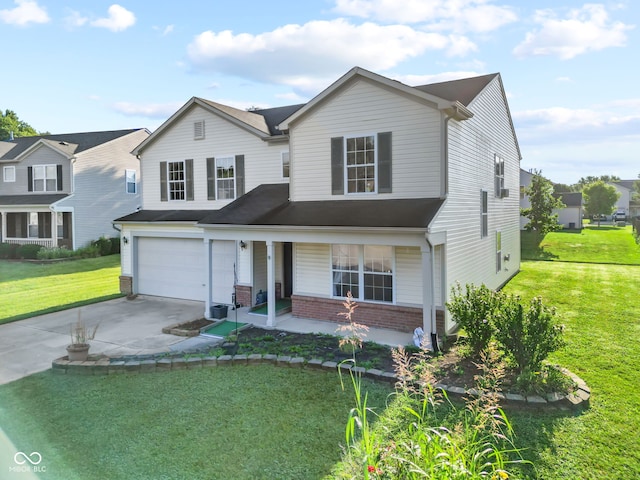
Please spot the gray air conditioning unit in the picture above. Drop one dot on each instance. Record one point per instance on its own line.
(504, 192)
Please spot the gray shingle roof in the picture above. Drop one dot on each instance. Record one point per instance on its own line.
(463, 90)
(144, 216)
(74, 143)
(33, 199)
(269, 205)
(570, 199)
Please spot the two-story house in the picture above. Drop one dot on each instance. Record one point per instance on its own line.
(387, 191)
(65, 190)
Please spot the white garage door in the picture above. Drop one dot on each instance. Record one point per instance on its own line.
(171, 267)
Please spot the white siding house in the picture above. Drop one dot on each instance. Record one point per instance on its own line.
(65, 190)
(394, 193)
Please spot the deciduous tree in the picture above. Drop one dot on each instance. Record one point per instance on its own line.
(599, 199)
(10, 123)
(542, 220)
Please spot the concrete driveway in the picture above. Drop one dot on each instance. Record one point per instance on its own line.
(126, 327)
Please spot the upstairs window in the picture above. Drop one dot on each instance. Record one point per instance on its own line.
(499, 175)
(9, 174)
(285, 164)
(198, 130)
(130, 181)
(225, 178)
(44, 178)
(361, 164)
(176, 180)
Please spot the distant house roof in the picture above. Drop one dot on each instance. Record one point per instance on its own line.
(70, 143)
(463, 90)
(164, 216)
(34, 199)
(269, 205)
(570, 199)
(626, 183)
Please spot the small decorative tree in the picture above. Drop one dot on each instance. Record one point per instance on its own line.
(353, 332)
(542, 220)
(600, 199)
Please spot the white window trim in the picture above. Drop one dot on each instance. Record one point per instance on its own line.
(184, 169)
(10, 168)
(29, 225)
(498, 251)
(282, 154)
(44, 166)
(498, 177)
(127, 182)
(361, 272)
(235, 176)
(375, 164)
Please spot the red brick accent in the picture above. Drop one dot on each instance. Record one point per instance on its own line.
(440, 328)
(404, 319)
(126, 284)
(243, 295)
(278, 290)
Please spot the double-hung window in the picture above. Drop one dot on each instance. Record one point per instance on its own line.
(285, 164)
(45, 178)
(361, 164)
(33, 224)
(364, 270)
(499, 175)
(484, 215)
(176, 180)
(225, 178)
(130, 181)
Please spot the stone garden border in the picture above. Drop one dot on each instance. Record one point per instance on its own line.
(103, 365)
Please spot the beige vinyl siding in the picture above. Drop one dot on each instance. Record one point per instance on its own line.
(364, 108)
(438, 271)
(472, 145)
(43, 155)
(259, 268)
(262, 161)
(99, 195)
(408, 276)
(244, 264)
(312, 269)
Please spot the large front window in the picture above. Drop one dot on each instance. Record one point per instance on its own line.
(225, 178)
(361, 164)
(365, 271)
(45, 178)
(176, 180)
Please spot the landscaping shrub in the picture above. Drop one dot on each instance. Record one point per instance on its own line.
(8, 250)
(103, 245)
(55, 252)
(529, 335)
(90, 251)
(28, 251)
(472, 310)
(115, 245)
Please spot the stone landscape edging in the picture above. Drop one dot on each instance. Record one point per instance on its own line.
(103, 365)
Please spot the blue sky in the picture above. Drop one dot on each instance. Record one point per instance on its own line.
(570, 68)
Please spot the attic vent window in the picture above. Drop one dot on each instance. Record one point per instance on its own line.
(64, 143)
(198, 130)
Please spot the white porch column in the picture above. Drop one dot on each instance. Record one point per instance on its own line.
(3, 227)
(208, 281)
(271, 285)
(427, 295)
(54, 228)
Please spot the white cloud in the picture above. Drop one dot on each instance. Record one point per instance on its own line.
(311, 56)
(119, 19)
(454, 15)
(164, 30)
(75, 19)
(24, 13)
(149, 110)
(585, 29)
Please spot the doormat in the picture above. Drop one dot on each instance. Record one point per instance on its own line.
(222, 329)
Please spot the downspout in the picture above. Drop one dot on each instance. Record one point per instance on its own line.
(434, 343)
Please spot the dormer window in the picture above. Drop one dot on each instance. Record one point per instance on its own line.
(198, 130)
(361, 164)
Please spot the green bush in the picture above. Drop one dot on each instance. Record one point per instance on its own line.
(103, 245)
(472, 310)
(115, 245)
(90, 251)
(28, 251)
(8, 250)
(527, 336)
(55, 252)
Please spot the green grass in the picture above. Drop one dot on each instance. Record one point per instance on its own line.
(596, 302)
(604, 244)
(30, 289)
(257, 422)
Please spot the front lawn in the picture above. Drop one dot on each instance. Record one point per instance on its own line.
(592, 244)
(247, 422)
(30, 289)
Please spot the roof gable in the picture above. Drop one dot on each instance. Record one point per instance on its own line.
(463, 90)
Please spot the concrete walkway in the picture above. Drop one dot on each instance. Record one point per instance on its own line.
(133, 327)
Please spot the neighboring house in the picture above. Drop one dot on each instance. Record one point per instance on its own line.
(391, 192)
(625, 202)
(571, 215)
(65, 190)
